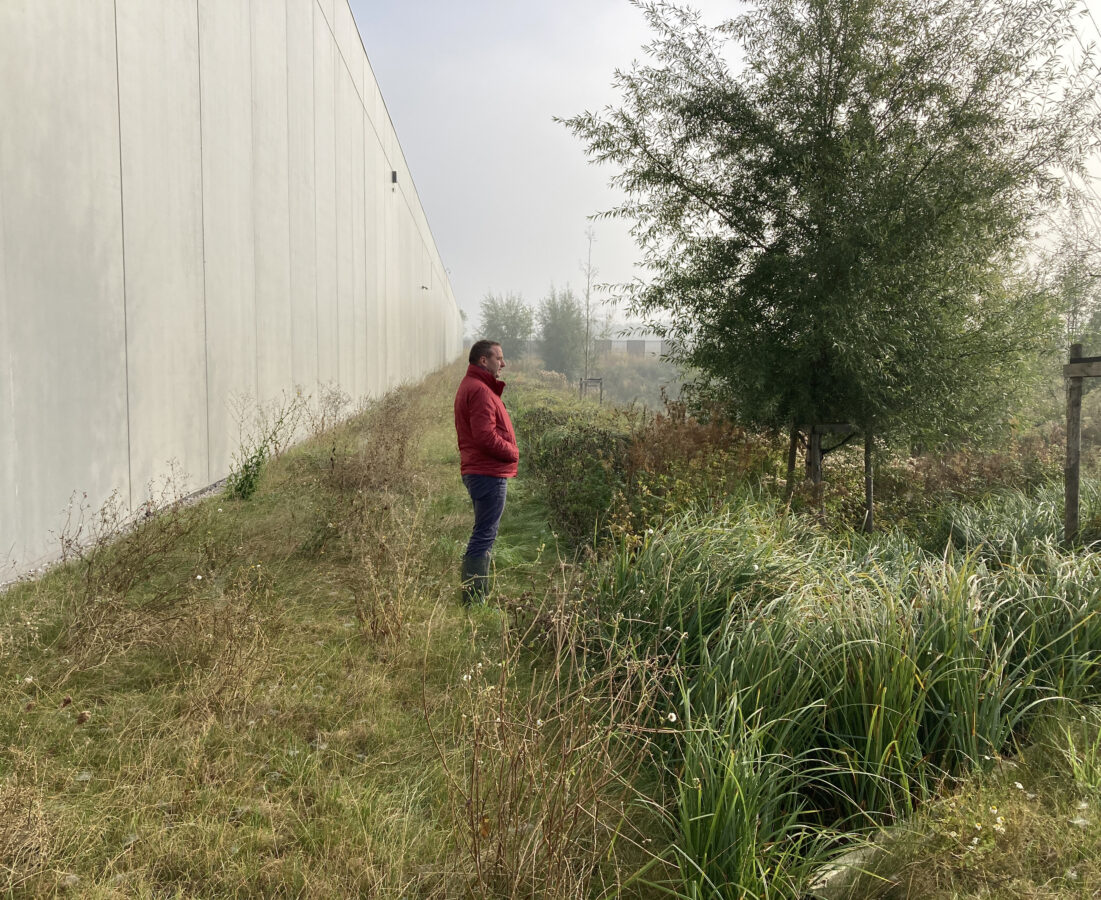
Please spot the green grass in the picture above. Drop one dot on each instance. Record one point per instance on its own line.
(224, 722)
(1026, 829)
(282, 696)
(832, 685)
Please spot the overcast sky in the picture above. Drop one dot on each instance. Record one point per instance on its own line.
(472, 88)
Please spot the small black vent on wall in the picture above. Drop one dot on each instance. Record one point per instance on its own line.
(393, 177)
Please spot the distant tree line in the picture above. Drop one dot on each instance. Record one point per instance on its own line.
(557, 326)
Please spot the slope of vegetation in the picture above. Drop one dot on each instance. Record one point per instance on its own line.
(271, 697)
(827, 685)
(683, 688)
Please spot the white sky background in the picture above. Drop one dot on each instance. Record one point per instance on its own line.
(472, 87)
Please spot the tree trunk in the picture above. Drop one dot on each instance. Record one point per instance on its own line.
(869, 490)
(793, 448)
(814, 468)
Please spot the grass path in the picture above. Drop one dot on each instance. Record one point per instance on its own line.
(231, 702)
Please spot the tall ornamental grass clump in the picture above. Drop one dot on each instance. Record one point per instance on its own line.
(1013, 523)
(740, 818)
(830, 683)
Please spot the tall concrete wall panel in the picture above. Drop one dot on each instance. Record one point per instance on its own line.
(271, 207)
(229, 232)
(62, 318)
(359, 252)
(324, 132)
(162, 200)
(345, 286)
(302, 191)
(203, 205)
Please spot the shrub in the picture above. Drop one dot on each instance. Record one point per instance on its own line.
(577, 454)
(910, 489)
(676, 460)
(116, 551)
(271, 428)
(244, 478)
(1009, 522)
(378, 451)
(605, 471)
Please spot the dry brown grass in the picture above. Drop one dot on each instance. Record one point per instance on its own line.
(211, 702)
(26, 834)
(551, 744)
(378, 453)
(389, 564)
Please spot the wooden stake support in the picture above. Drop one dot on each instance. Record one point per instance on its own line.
(1075, 371)
(815, 452)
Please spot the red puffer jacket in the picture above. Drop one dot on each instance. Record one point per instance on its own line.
(487, 443)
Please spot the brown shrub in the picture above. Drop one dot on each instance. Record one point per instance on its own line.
(387, 545)
(676, 459)
(116, 550)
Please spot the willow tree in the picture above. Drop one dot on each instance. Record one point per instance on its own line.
(835, 198)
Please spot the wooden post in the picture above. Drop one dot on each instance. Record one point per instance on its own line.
(869, 489)
(1074, 449)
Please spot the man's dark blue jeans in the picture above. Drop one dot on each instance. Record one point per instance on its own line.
(488, 494)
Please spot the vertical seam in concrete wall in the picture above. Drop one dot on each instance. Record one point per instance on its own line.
(122, 228)
(202, 229)
(290, 179)
(252, 175)
(316, 255)
(369, 362)
(337, 60)
(7, 401)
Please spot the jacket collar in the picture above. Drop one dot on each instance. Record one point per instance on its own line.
(494, 384)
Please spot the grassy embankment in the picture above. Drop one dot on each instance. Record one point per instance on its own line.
(282, 697)
(233, 700)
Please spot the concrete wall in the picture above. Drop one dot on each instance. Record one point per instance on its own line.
(196, 206)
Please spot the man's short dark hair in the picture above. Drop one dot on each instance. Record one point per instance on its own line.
(480, 349)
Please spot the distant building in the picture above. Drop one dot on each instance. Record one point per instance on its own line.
(651, 346)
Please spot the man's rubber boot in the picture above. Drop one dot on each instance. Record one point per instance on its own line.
(475, 579)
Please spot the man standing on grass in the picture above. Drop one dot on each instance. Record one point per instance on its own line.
(488, 454)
